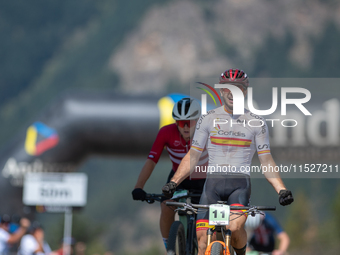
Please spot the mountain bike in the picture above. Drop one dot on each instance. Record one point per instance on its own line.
(219, 215)
(182, 236)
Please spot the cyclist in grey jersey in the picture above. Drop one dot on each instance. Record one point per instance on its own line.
(233, 147)
(230, 140)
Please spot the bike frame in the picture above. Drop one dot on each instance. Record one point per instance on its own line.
(189, 222)
(188, 219)
(249, 209)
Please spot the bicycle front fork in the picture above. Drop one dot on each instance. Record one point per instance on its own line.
(219, 235)
(228, 238)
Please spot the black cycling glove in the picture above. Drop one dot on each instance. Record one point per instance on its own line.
(285, 197)
(169, 189)
(138, 194)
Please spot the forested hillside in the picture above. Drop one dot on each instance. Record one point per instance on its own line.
(140, 47)
(48, 47)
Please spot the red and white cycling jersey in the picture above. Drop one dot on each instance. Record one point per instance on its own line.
(231, 140)
(169, 137)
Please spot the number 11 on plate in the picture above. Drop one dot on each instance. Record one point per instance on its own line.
(219, 214)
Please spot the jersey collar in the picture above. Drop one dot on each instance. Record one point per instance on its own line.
(227, 110)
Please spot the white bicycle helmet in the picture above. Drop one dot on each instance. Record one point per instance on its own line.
(186, 109)
(253, 222)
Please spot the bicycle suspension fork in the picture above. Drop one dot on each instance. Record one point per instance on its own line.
(228, 239)
(209, 233)
(220, 232)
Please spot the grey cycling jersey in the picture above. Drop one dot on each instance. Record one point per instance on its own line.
(231, 140)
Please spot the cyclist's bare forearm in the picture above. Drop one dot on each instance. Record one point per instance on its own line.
(276, 181)
(284, 241)
(144, 175)
(183, 170)
(187, 166)
(272, 177)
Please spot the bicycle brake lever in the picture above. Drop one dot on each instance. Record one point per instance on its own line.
(190, 208)
(186, 208)
(254, 211)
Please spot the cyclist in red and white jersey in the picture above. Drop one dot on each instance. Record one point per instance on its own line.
(177, 140)
(231, 143)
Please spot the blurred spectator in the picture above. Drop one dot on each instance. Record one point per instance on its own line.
(80, 248)
(8, 239)
(265, 231)
(34, 243)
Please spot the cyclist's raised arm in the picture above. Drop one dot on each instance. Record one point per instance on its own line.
(153, 157)
(144, 175)
(191, 159)
(268, 164)
(138, 193)
(273, 177)
(187, 166)
(265, 157)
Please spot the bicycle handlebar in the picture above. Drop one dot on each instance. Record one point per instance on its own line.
(151, 198)
(265, 208)
(262, 208)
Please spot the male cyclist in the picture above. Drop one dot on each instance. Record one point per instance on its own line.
(231, 144)
(177, 140)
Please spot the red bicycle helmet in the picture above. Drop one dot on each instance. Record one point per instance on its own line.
(235, 76)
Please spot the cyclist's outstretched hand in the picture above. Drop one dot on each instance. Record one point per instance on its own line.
(285, 197)
(169, 189)
(138, 194)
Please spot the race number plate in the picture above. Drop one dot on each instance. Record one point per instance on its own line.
(219, 214)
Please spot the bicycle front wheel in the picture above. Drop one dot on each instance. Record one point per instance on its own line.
(217, 249)
(176, 240)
